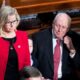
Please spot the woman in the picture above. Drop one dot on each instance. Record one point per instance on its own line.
(14, 50)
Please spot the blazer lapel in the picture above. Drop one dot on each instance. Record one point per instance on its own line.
(50, 49)
(64, 57)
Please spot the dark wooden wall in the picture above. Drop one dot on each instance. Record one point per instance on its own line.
(26, 7)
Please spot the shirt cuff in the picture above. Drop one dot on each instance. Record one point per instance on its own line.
(72, 53)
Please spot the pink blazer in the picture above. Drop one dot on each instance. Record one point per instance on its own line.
(22, 49)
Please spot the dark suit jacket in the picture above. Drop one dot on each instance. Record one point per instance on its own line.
(42, 42)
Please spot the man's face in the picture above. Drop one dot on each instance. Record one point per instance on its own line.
(60, 27)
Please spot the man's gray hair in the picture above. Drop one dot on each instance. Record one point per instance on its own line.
(60, 15)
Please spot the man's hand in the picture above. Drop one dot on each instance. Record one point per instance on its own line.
(69, 44)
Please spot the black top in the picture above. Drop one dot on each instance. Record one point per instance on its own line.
(12, 64)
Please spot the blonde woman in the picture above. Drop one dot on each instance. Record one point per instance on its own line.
(14, 51)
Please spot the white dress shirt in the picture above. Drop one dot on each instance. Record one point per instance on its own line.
(60, 64)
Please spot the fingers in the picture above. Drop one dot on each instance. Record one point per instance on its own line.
(68, 42)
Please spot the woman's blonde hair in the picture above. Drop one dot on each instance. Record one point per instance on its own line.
(4, 12)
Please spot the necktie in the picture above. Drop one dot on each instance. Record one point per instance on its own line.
(56, 59)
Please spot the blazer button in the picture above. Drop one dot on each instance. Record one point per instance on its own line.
(19, 46)
(11, 48)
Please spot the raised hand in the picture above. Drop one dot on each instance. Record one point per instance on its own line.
(69, 44)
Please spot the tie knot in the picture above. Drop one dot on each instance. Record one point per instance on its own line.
(58, 41)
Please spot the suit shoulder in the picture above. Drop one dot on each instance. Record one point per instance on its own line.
(73, 34)
(41, 33)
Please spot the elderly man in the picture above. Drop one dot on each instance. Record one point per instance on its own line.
(56, 49)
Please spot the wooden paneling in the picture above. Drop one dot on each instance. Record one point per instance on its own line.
(39, 6)
(0, 2)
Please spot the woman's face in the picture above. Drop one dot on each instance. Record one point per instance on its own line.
(11, 23)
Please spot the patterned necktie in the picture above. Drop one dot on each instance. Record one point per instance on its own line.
(56, 59)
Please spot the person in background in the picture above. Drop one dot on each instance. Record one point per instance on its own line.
(30, 42)
(31, 73)
(45, 42)
(14, 49)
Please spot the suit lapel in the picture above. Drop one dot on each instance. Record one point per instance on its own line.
(50, 49)
(64, 58)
